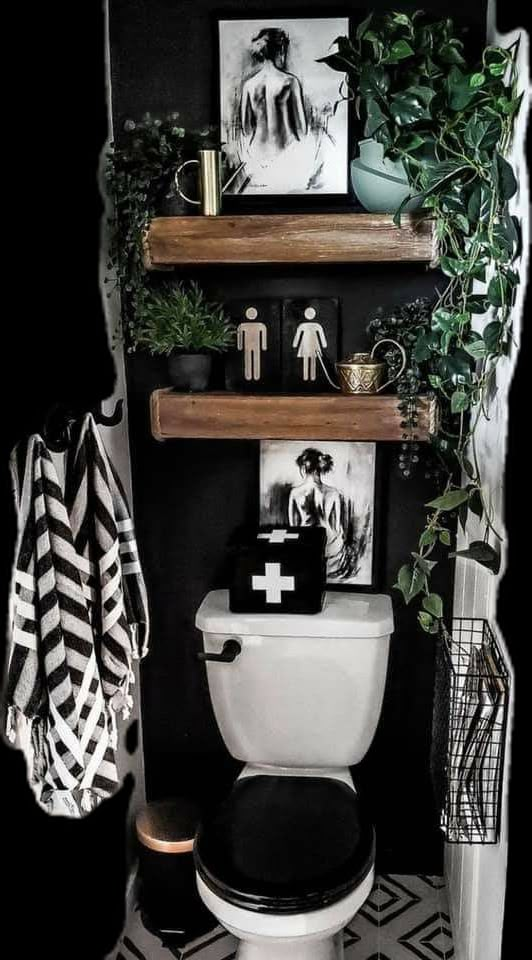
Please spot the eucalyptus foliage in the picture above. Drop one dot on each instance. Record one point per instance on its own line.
(176, 318)
(450, 122)
(140, 173)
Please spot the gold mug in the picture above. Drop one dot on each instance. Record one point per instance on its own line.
(361, 373)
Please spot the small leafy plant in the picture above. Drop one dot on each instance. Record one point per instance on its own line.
(451, 124)
(181, 319)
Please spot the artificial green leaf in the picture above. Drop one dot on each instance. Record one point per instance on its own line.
(494, 55)
(449, 500)
(402, 19)
(400, 208)
(504, 177)
(434, 381)
(408, 108)
(476, 348)
(449, 53)
(426, 566)
(460, 93)
(477, 80)
(497, 290)
(445, 538)
(410, 581)
(400, 50)
(463, 222)
(410, 142)
(433, 604)
(505, 234)
(338, 62)
(375, 117)
(459, 401)
(427, 538)
(374, 79)
(476, 304)
(463, 511)
(477, 271)
(442, 319)
(475, 503)
(363, 26)
(492, 335)
(482, 134)
(456, 367)
(483, 553)
(479, 204)
(422, 350)
(425, 620)
(437, 174)
(452, 267)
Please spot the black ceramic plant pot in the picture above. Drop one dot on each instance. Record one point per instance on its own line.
(189, 371)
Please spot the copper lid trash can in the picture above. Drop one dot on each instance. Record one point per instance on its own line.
(168, 895)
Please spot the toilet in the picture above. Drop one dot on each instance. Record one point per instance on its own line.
(288, 858)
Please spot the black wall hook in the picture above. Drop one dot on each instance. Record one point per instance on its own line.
(109, 420)
(58, 423)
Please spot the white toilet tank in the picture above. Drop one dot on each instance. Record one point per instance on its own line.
(306, 689)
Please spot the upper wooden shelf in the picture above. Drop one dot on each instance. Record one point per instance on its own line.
(295, 238)
(237, 416)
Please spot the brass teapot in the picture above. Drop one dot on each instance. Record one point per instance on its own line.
(362, 373)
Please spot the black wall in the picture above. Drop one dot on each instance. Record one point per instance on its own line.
(190, 495)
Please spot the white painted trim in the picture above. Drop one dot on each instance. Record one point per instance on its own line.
(476, 874)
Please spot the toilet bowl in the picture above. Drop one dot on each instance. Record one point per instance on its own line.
(287, 859)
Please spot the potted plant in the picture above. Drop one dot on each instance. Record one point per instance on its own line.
(179, 322)
(397, 67)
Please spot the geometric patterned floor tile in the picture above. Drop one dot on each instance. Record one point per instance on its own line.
(388, 900)
(404, 918)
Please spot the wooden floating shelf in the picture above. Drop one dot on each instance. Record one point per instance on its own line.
(296, 238)
(234, 416)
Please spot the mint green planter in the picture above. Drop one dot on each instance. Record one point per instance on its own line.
(380, 184)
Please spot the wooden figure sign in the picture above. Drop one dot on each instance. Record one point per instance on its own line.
(253, 366)
(310, 333)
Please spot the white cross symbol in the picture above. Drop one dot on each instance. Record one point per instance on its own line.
(278, 536)
(273, 583)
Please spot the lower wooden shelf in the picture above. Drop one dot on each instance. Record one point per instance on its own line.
(236, 416)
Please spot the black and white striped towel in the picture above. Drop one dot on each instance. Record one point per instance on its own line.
(53, 677)
(105, 542)
(78, 598)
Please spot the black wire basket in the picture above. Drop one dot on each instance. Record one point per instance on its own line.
(469, 731)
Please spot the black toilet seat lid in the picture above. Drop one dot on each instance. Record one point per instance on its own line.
(286, 844)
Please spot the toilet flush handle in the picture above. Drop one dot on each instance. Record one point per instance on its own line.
(228, 653)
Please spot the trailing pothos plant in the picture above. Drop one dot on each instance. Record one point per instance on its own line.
(451, 124)
(140, 173)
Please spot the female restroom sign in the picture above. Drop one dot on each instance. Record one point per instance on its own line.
(310, 329)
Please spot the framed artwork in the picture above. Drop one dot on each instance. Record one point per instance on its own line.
(283, 129)
(329, 484)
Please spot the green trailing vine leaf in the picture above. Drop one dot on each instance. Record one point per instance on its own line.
(433, 604)
(449, 501)
(483, 553)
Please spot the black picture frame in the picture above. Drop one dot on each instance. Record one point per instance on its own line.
(375, 581)
(278, 202)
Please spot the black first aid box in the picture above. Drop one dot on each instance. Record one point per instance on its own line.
(279, 570)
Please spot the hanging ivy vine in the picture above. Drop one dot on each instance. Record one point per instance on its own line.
(451, 124)
(140, 173)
